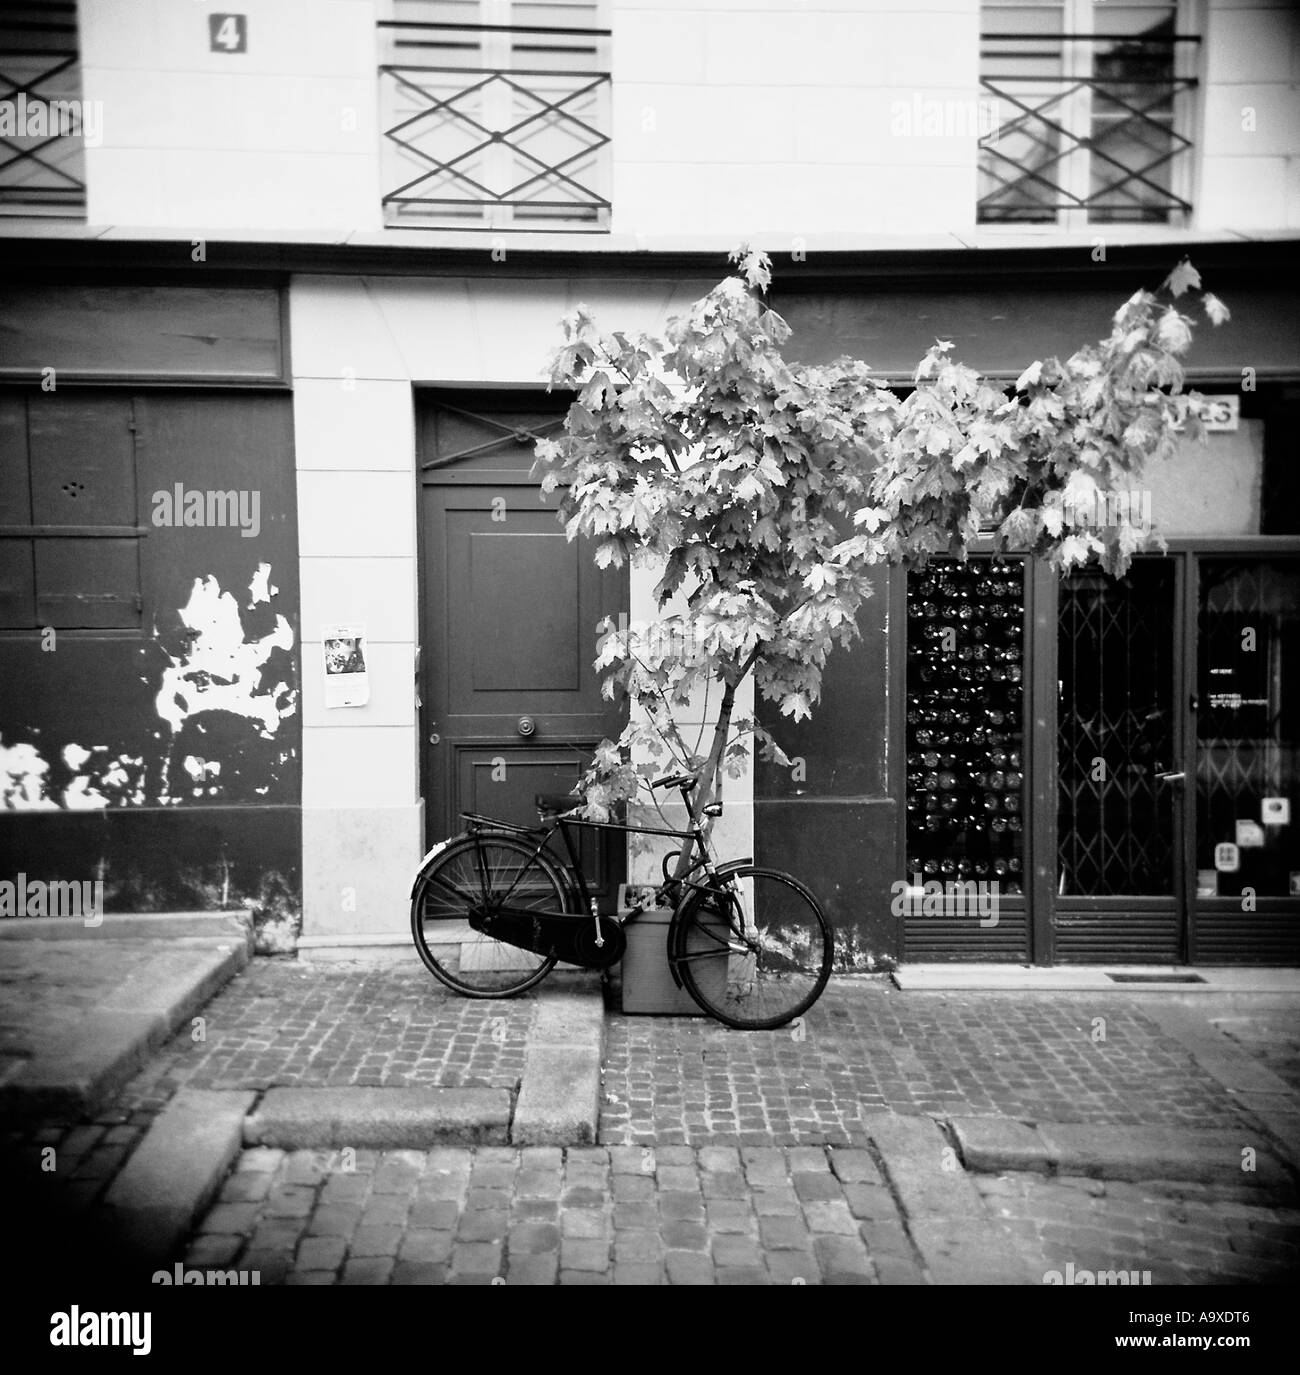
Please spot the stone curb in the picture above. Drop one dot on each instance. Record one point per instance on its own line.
(993, 1145)
(174, 1173)
(134, 926)
(95, 1057)
(959, 1242)
(392, 1118)
(559, 1095)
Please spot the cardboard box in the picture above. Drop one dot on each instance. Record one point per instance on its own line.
(648, 987)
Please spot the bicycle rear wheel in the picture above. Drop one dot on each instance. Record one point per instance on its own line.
(754, 949)
(468, 880)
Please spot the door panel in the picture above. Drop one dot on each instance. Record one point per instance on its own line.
(1119, 821)
(511, 701)
(1247, 851)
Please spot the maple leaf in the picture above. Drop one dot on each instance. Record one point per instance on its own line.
(1030, 375)
(1215, 309)
(1182, 277)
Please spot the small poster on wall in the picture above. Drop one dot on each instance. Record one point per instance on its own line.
(347, 683)
(1250, 835)
(1276, 811)
(1227, 858)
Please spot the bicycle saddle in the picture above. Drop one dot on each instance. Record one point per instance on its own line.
(553, 803)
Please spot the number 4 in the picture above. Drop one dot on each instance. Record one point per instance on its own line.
(228, 33)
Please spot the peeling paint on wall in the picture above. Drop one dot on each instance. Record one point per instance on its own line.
(223, 669)
(225, 689)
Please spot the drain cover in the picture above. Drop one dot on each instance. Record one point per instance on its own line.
(1155, 978)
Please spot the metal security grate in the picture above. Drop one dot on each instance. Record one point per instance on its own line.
(1090, 129)
(42, 138)
(496, 126)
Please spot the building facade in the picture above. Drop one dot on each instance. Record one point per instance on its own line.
(277, 320)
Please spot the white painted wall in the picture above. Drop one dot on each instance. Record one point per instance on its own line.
(786, 122)
(778, 119)
(281, 137)
(1250, 140)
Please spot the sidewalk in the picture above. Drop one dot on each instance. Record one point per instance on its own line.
(824, 1152)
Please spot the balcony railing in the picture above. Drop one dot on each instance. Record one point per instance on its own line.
(1091, 129)
(42, 136)
(493, 126)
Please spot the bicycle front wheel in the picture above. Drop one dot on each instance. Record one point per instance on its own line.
(452, 907)
(753, 948)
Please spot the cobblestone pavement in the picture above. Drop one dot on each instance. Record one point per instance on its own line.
(282, 1023)
(678, 1080)
(1181, 1233)
(677, 1215)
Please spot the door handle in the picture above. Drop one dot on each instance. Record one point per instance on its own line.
(1170, 777)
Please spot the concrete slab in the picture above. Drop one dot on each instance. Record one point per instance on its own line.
(175, 1172)
(396, 1118)
(923, 1167)
(559, 1095)
(992, 1144)
(1137, 1153)
(559, 1098)
(983, 1253)
(81, 1051)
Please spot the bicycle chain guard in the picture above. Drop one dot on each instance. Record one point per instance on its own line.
(571, 939)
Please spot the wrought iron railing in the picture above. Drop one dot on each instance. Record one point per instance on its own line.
(1091, 129)
(494, 126)
(42, 150)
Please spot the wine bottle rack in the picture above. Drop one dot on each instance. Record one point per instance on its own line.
(965, 723)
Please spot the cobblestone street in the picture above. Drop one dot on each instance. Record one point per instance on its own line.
(723, 1157)
(717, 1214)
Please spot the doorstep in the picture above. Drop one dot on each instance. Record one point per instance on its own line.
(1183, 980)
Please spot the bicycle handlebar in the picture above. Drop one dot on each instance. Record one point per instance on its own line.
(685, 781)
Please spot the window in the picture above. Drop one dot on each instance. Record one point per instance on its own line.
(69, 553)
(495, 115)
(1094, 110)
(44, 123)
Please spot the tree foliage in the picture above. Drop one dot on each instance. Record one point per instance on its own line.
(766, 492)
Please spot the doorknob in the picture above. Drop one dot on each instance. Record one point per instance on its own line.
(527, 726)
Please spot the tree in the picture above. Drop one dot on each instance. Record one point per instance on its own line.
(765, 492)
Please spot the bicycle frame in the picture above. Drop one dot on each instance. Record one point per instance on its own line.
(477, 821)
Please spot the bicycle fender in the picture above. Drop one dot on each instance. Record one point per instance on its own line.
(433, 854)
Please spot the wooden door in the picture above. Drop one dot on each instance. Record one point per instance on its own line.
(511, 702)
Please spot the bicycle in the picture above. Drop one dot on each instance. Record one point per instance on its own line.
(493, 911)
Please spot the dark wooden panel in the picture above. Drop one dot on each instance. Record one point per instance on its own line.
(143, 333)
(15, 483)
(1120, 936)
(999, 325)
(17, 584)
(82, 460)
(954, 938)
(87, 584)
(520, 588)
(1231, 936)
